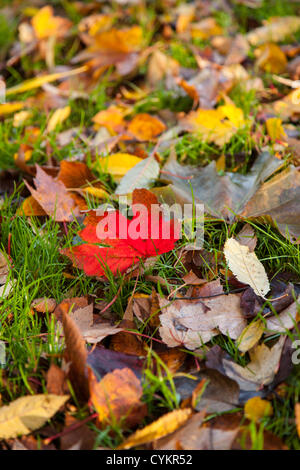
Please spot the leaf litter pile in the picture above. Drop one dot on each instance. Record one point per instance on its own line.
(116, 341)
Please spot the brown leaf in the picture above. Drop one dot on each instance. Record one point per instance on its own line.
(81, 438)
(127, 343)
(220, 392)
(56, 381)
(74, 174)
(53, 197)
(247, 237)
(261, 369)
(77, 354)
(193, 322)
(44, 305)
(92, 333)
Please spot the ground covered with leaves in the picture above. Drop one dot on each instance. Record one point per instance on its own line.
(113, 341)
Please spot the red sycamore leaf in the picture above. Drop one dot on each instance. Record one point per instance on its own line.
(126, 242)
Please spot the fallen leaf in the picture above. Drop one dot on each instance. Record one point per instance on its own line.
(246, 266)
(271, 59)
(165, 425)
(26, 414)
(103, 360)
(127, 241)
(276, 30)
(45, 24)
(261, 370)
(297, 416)
(221, 195)
(256, 408)
(250, 336)
(117, 164)
(142, 175)
(39, 81)
(220, 392)
(53, 197)
(117, 396)
(145, 127)
(77, 355)
(286, 320)
(217, 434)
(58, 117)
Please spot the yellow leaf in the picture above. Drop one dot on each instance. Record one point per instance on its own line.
(45, 24)
(96, 192)
(39, 81)
(275, 129)
(257, 408)
(118, 164)
(250, 336)
(21, 117)
(206, 29)
(216, 125)
(221, 163)
(165, 425)
(234, 114)
(124, 40)
(26, 414)
(7, 108)
(58, 117)
(297, 416)
(271, 58)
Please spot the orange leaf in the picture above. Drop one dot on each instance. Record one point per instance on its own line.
(145, 127)
(117, 396)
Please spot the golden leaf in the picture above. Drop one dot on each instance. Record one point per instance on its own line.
(165, 425)
(117, 164)
(58, 117)
(257, 408)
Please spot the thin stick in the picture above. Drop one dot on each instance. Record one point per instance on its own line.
(71, 428)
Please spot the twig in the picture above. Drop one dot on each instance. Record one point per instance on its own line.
(71, 428)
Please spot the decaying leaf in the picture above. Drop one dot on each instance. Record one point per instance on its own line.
(221, 195)
(261, 369)
(194, 323)
(246, 266)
